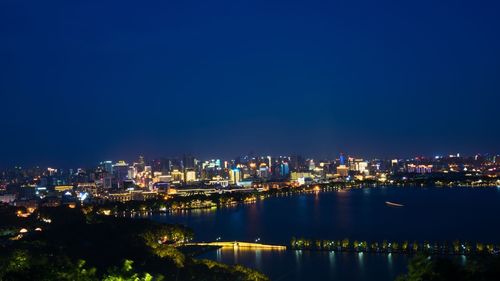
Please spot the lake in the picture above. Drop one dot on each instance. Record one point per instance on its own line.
(434, 214)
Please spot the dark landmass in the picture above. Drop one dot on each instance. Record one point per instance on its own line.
(78, 244)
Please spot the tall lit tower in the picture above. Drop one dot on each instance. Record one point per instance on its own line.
(342, 159)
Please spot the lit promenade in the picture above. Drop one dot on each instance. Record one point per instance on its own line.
(242, 245)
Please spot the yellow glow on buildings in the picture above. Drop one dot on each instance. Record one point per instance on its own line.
(297, 175)
(62, 188)
(190, 176)
(177, 175)
(234, 176)
(343, 170)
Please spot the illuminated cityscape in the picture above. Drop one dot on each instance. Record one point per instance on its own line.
(143, 180)
(235, 140)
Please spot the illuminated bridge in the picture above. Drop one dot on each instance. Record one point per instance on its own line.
(241, 245)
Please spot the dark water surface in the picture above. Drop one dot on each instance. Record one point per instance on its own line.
(434, 214)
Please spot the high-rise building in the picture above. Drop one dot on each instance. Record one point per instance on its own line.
(132, 172)
(297, 163)
(188, 162)
(284, 169)
(107, 166)
(359, 165)
(311, 165)
(120, 172)
(263, 171)
(234, 176)
(190, 176)
(342, 159)
(139, 166)
(162, 165)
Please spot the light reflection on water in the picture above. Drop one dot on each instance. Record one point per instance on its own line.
(258, 258)
(463, 260)
(298, 258)
(310, 265)
(429, 214)
(361, 263)
(332, 262)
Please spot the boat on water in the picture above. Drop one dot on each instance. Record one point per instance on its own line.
(389, 203)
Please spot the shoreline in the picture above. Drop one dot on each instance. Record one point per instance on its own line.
(256, 197)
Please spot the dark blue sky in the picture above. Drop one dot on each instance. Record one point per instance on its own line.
(84, 81)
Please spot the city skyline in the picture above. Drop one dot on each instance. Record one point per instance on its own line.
(250, 156)
(332, 157)
(249, 140)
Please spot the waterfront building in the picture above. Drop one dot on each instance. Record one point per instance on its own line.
(297, 175)
(120, 197)
(135, 195)
(218, 181)
(62, 188)
(419, 169)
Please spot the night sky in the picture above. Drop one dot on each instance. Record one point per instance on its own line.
(86, 81)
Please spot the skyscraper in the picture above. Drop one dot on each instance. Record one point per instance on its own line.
(107, 166)
(188, 162)
(342, 159)
(234, 176)
(284, 169)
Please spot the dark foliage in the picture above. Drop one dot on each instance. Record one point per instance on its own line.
(86, 246)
